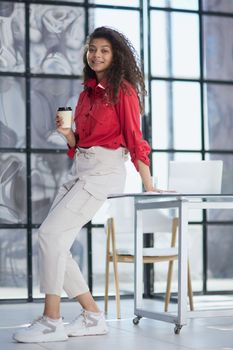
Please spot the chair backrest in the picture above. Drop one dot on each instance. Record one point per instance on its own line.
(122, 210)
(195, 177)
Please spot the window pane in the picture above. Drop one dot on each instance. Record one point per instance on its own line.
(12, 33)
(218, 117)
(13, 188)
(12, 115)
(78, 251)
(13, 264)
(180, 4)
(57, 36)
(117, 2)
(48, 173)
(174, 123)
(220, 258)
(160, 45)
(46, 96)
(119, 19)
(227, 186)
(174, 42)
(218, 6)
(218, 60)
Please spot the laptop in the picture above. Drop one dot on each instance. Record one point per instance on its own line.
(195, 177)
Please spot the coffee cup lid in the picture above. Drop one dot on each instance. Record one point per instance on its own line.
(64, 109)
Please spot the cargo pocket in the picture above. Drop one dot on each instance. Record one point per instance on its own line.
(82, 202)
(98, 187)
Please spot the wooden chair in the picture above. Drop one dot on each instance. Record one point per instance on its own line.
(150, 255)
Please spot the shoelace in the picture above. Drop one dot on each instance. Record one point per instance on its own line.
(83, 314)
(37, 320)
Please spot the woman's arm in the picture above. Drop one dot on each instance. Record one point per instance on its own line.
(146, 177)
(145, 174)
(66, 132)
(71, 140)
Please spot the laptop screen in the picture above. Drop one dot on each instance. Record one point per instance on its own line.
(195, 177)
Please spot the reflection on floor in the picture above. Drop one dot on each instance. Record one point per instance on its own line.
(201, 334)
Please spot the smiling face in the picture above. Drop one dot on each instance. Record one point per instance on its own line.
(99, 57)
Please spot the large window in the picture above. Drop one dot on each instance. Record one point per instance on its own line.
(189, 76)
(191, 87)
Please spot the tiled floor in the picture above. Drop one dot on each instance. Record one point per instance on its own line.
(201, 334)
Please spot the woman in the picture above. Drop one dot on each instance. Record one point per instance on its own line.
(107, 120)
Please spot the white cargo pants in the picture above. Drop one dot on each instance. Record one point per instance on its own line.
(96, 172)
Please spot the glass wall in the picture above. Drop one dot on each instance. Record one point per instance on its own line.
(191, 87)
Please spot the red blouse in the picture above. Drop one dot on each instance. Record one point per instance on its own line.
(100, 123)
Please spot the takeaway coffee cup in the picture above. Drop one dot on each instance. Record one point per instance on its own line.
(66, 114)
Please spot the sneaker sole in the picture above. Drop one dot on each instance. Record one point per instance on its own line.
(21, 339)
(73, 334)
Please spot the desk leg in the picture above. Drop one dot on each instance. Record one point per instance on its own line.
(182, 265)
(138, 265)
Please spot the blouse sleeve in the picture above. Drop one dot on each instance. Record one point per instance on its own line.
(71, 150)
(129, 112)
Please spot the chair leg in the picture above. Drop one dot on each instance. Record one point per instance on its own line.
(175, 223)
(168, 290)
(107, 268)
(116, 278)
(190, 290)
(106, 287)
(170, 272)
(169, 282)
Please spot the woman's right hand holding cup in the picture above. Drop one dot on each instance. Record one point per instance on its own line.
(59, 126)
(66, 131)
(64, 120)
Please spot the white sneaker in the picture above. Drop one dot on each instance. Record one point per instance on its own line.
(87, 323)
(43, 329)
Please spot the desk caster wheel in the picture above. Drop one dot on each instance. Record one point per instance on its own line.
(136, 320)
(177, 329)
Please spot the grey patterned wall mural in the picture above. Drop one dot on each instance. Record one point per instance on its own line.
(13, 191)
(12, 112)
(46, 96)
(56, 35)
(12, 33)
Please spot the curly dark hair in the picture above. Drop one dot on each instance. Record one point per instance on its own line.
(125, 64)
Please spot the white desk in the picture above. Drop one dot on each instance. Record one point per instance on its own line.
(145, 201)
